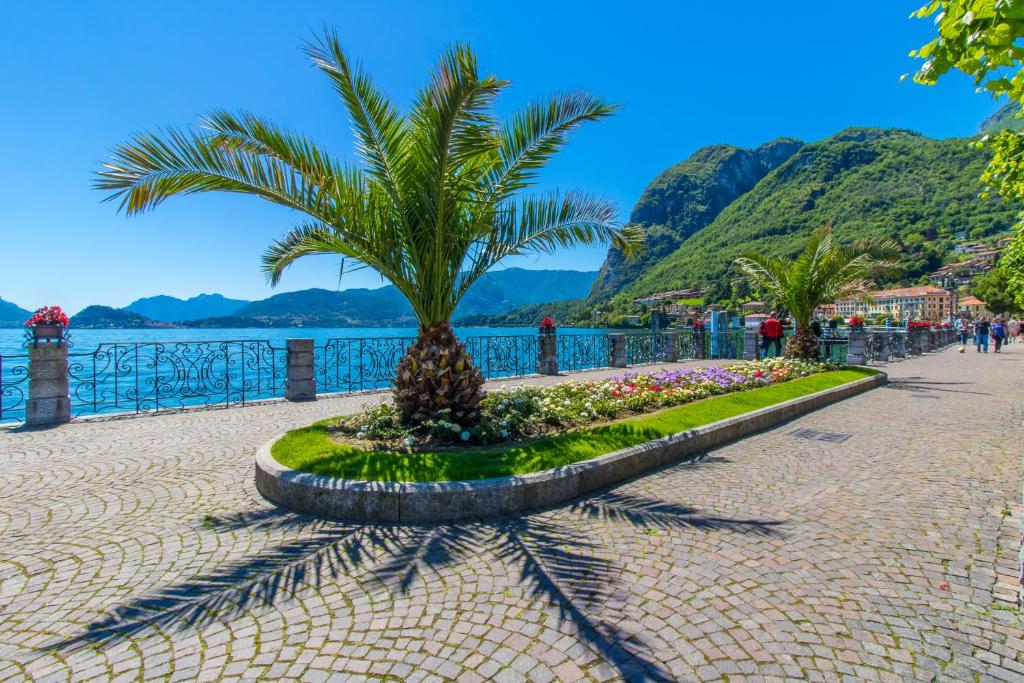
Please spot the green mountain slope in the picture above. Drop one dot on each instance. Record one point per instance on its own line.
(686, 198)
(105, 317)
(12, 315)
(867, 182)
(1005, 118)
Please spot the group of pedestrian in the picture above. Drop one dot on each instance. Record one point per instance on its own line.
(1002, 332)
(771, 335)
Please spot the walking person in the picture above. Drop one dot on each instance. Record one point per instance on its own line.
(771, 334)
(963, 332)
(981, 330)
(998, 333)
(1013, 330)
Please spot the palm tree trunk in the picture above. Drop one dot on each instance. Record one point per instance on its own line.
(437, 379)
(803, 345)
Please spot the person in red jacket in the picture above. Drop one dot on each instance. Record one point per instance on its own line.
(771, 333)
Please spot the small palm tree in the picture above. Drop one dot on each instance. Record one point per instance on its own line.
(435, 202)
(822, 273)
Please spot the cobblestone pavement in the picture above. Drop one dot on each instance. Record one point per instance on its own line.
(139, 549)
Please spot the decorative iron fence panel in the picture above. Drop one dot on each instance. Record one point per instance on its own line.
(13, 387)
(834, 349)
(686, 344)
(582, 352)
(504, 355)
(156, 377)
(644, 349)
(346, 365)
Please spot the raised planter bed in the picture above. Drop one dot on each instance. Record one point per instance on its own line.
(421, 502)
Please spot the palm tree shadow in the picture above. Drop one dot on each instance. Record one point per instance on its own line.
(559, 565)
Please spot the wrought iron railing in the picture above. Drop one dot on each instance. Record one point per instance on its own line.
(504, 355)
(142, 377)
(834, 349)
(13, 387)
(644, 348)
(686, 344)
(346, 365)
(582, 351)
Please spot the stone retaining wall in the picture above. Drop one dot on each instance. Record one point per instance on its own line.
(419, 502)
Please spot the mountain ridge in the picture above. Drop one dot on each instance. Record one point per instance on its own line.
(172, 309)
(12, 315)
(889, 183)
(685, 198)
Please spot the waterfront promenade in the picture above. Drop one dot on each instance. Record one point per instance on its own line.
(878, 542)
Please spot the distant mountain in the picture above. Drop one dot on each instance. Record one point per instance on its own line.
(12, 315)
(172, 309)
(494, 293)
(530, 315)
(684, 199)
(105, 317)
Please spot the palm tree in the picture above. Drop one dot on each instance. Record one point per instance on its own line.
(435, 201)
(823, 272)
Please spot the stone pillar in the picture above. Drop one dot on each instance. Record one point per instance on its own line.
(300, 384)
(750, 344)
(700, 350)
(883, 351)
(915, 342)
(49, 395)
(669, 348)
(929, 341)
(855, 347)
(547, 354)
(617, 350)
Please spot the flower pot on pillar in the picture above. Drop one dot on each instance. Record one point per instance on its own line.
(47, 333)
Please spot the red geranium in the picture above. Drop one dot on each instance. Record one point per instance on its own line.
(548, 323)
(919, 325)
(698, 324)
(48, 315)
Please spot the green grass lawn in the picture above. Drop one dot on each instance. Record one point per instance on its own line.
(311, 449)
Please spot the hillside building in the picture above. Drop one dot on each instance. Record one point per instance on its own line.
(962, 273)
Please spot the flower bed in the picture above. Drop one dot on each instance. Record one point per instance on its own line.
(524, 412)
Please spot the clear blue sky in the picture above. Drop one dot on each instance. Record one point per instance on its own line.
(79, 77)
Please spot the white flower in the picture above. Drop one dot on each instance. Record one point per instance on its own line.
(409, 441)
(360, 435)
(464, 436)
(504, 433)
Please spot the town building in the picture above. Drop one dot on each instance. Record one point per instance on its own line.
(669, 297)
(964, 272)
(906, 303)
(753, 321)
(973, 307)
(754, 307)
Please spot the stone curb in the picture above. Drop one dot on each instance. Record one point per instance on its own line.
(419, 502)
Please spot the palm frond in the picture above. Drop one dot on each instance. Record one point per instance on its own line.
(533, 136)
(821, 273)
(379, 126)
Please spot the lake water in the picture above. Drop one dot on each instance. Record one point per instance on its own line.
(113, 371)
